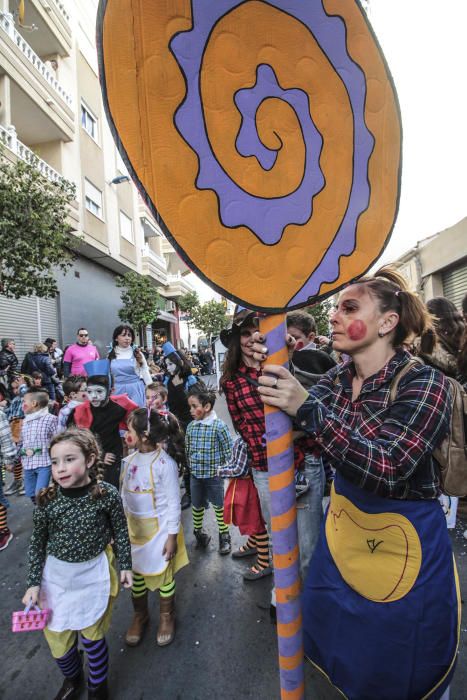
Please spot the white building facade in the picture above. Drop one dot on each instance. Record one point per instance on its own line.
(51, 114)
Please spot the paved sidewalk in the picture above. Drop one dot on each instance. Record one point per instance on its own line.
(225, 645)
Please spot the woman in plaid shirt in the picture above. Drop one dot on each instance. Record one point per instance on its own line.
(239, 382)
(381, 604)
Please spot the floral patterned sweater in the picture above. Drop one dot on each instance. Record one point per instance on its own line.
(75, 527)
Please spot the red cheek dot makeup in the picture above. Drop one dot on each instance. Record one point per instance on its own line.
(357, 330)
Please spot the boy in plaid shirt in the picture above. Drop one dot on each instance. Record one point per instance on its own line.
(38, 428)
(208, 446)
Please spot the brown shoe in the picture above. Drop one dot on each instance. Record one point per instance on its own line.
(166, 630)
(140, 620)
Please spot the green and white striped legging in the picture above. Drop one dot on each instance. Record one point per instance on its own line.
(139, 587)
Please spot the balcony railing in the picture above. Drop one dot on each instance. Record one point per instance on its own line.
(9, 139)
(8, 26)
(61, 8)
(154, 257)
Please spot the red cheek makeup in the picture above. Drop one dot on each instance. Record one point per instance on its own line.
(356, 330)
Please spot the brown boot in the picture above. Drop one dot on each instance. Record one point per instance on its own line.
(166, 630)
(140, 620)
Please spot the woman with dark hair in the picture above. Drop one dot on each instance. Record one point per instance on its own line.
(128, 365)
(444, 354)
(39, 361)
(179, 381)
(8, 361)
(381, 606)
(449, 329)
(239, 382)
(56, 355)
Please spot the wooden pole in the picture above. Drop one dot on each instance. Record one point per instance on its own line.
(284, 523)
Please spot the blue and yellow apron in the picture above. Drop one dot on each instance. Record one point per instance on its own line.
(381, 604)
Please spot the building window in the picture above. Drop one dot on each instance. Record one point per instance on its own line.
(126, 227)
(89, 122)
(93, 199)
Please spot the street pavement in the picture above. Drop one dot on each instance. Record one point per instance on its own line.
(225, 645)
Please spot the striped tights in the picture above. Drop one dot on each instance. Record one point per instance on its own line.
(139, 587)
(98, 661)
(198, 517)
(3, 520)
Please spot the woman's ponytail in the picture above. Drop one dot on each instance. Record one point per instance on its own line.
(393, 294)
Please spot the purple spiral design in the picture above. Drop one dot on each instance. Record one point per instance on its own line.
(267, 218)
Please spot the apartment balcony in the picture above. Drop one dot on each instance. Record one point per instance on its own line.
(47, 27)
(154, 265)
(166, 309)
(40, 106)
(14, 149)
(177, 286)
(175, 263)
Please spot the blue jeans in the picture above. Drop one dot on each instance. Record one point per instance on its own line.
(35, 480)
(206, 491)
(310, 511)
(309, 508)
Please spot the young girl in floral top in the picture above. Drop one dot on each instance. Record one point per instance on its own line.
(75, 522)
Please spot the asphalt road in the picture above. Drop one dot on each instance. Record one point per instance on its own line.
(225, 645)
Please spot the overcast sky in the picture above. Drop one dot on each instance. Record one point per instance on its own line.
(425, 44)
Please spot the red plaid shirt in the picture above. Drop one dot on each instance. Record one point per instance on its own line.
(247, 412)
(385, 449)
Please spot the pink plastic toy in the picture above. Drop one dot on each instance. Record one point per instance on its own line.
(28, 620)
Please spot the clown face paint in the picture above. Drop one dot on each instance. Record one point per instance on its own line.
(197, 410)
(171, 367)
(357, 330)
(356, 320)
(98, 395)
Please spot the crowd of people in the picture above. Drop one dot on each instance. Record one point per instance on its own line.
(102, 448)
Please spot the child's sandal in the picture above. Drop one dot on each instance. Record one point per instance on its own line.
(244, 551)
(256, 573)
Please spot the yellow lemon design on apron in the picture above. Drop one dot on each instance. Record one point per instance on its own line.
(378, 555)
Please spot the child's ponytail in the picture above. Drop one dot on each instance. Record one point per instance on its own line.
(158, 427)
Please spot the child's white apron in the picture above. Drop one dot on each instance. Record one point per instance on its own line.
(147, 535)
(77, 593)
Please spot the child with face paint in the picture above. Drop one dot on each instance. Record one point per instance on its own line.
(156, 396)
(178, 383)
(151, 499)
(105, 415)
(208, 447)
(78, 525)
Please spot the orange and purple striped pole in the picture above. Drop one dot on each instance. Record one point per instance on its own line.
(284, 523)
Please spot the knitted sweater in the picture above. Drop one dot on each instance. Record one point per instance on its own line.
(75, 527)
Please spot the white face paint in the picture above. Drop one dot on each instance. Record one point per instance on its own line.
(171, 367)
(97, 394)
